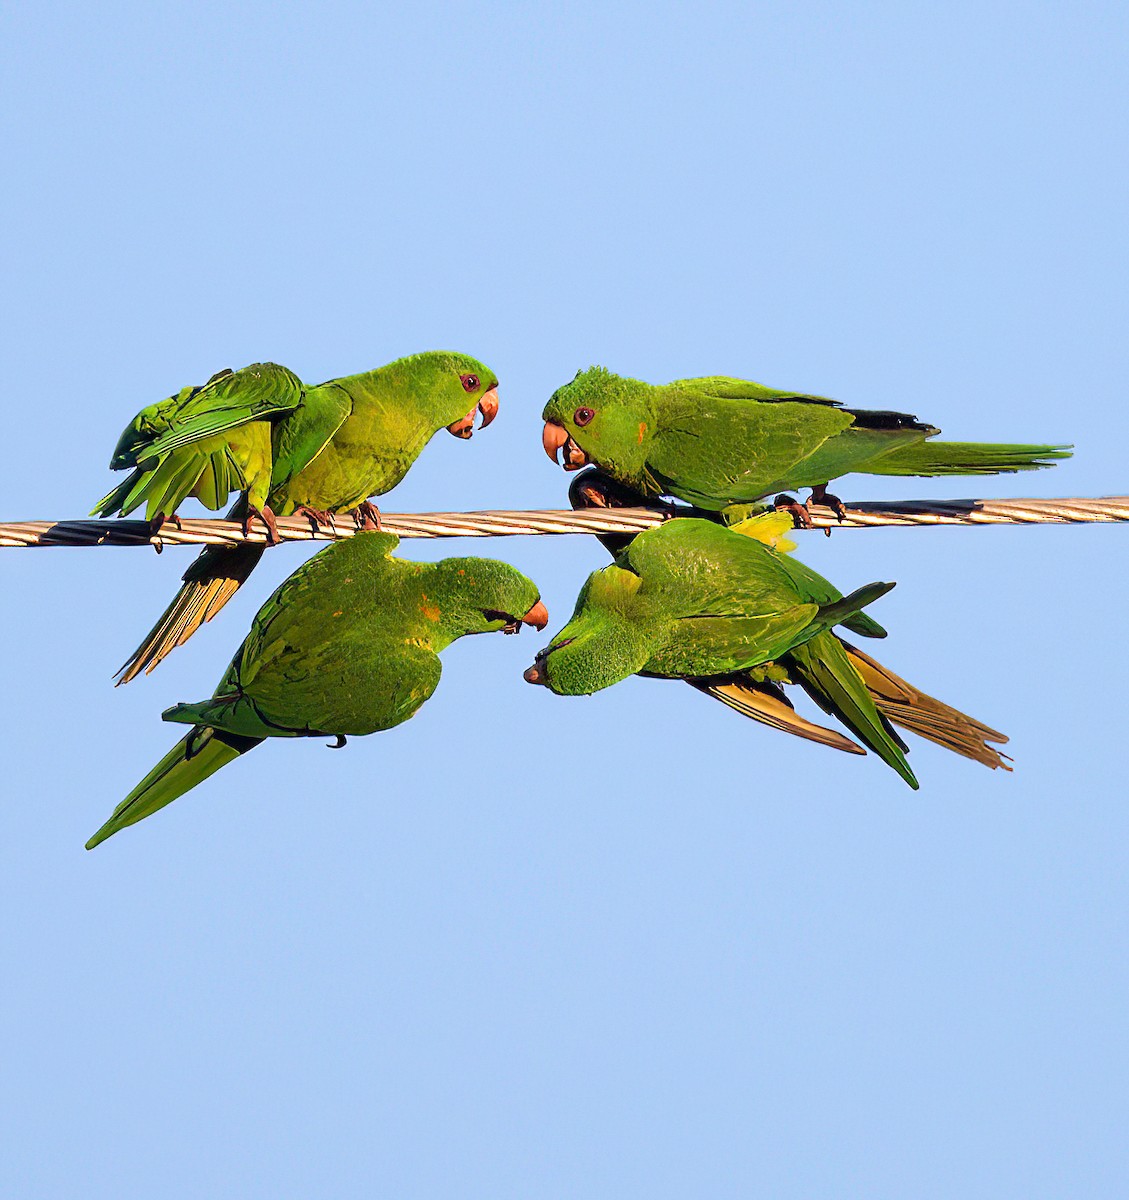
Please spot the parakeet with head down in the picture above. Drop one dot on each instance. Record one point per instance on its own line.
(737, 619)
(716, 441)
(286, 448)
(349, 644)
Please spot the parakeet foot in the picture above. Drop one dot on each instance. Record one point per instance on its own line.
(317, 517)
(367, 516)
(789, 504)
(266, 515)
(156, 523)
(820, 495)
(341, 742)
(594, 489)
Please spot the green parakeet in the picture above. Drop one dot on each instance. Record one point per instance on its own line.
(764, 699)
(695, 601)
(716, 441)
(288, 449)
(349, 644)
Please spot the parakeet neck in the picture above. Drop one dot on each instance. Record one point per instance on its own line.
(444, 610)
(629, 430)
(596, 651)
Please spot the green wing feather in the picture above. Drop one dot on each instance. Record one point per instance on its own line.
(713, 451)
(260, 391)
(206, 442)
(305, 434)
(724, 388)
(826, 674)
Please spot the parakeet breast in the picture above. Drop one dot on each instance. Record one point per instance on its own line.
(370, 453)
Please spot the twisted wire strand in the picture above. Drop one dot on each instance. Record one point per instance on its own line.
(507, 523)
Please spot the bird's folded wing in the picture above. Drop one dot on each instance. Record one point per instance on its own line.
(257, 392)
(307, 432)
(724, 388)
(721, 645)
(325, 589)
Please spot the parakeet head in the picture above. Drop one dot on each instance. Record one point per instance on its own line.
(602, 418)
(449, 387)
(482, 595)
(149, 422)
(607, 639)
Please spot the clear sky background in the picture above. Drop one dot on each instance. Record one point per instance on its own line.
(526, 946)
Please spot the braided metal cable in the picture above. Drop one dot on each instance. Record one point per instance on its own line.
(504, 523)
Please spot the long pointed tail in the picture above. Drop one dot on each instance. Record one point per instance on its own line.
(196, 756)
(827, 675)
(895, 699)
(209, 583)
(926, 716)
(964, 458)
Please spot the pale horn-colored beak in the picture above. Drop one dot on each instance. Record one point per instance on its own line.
(553, 438)
(538, 616)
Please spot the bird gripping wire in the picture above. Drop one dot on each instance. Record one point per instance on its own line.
(513, 523)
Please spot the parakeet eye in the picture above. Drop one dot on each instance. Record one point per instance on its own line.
(582, 416)
(470, 382)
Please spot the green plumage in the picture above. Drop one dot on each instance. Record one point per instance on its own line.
(695, 601)
(758, 692)
(715, 441)
(206, 442)
(349, 644)
(282, 447)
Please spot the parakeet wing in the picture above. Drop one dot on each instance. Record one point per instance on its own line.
(323, 590)
(310, 663)
(708, 645)
(714, 450)
(699, 568)
(306, 433)
(226, 401)
(724, 388)
(330, 687)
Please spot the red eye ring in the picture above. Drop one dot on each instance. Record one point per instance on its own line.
(583, 416)
(469, 382)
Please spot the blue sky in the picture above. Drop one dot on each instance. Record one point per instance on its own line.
(528, 946)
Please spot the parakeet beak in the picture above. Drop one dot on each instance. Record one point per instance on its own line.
(537, 673)
(555, 437)
(487, 406)
(538, 616)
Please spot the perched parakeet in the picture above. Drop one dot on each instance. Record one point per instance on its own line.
(716, 441)
(764, 699)
(288, 449)
(695, 601)
(349, 644)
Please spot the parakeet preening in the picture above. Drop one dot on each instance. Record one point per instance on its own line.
(287, 449)
(692, 600)
(717, 441)
(348, 644)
